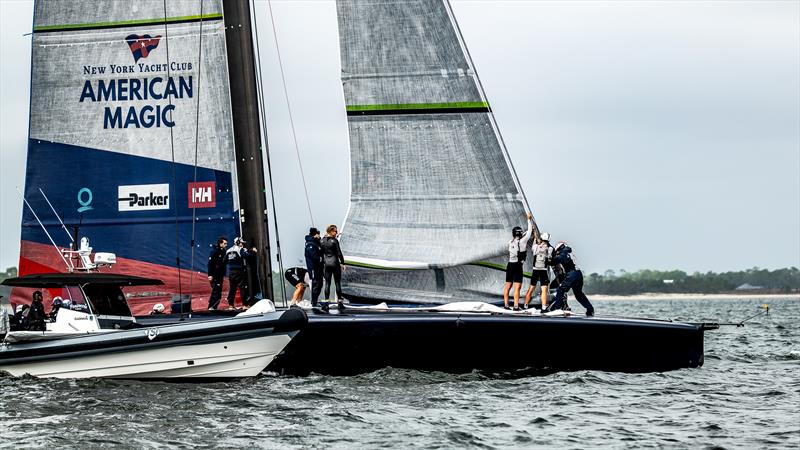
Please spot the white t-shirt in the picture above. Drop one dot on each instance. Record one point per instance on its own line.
(519, 245)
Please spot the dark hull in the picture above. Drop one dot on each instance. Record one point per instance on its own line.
(361, 342)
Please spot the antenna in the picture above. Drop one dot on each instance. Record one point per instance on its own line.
(69, 268)
(57, 216)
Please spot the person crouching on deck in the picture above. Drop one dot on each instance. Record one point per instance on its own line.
(573, 279)
(517, 249)
(297, 277)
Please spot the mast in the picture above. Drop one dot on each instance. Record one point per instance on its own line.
(247, 136)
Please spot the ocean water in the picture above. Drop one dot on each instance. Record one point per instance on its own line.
(747, 395)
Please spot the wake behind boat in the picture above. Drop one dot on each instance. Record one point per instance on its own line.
(101, 338)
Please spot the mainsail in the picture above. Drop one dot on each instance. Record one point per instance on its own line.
(433, 193)
(116, 141)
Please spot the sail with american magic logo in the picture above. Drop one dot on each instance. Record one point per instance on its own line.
(433, 192)
(131, 136)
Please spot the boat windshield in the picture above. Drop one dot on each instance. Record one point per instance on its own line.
(107, 300)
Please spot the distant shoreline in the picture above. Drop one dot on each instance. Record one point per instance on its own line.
(683, 296)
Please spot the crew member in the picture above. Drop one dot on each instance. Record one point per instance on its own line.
(334, 263)
(237, 272)
(517, 250)
(314, 263)
(297, 277)
(58, 302)
(216, 272)
(573, 279)
(36, 315)
(542, 259)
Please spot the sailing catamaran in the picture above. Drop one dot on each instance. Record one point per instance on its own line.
(158, 112)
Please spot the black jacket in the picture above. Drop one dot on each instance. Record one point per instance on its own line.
(564, 259)
(216, 263)
(313, 254)
(331, 252)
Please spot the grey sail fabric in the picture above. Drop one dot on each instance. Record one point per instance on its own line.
(433, 193)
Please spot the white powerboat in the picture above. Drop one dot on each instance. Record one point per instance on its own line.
(99, 337)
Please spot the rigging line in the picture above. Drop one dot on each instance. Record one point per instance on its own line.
(482, 91)
(289, 109)
(174, 176)
(196, 141)
(263, 118)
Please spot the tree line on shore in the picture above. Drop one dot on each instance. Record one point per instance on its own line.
(753, 280)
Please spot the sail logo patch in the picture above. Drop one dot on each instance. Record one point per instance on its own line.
(143, 197)
(141, 46)
(203, 194)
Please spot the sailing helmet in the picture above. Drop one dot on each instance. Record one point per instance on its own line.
(66, 304)
(239, 241)
(58, 301)
(517, 232)
(545, 236)
(560, 244)
(158, 307)
(21, 308)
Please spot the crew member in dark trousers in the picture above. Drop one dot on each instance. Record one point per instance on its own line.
(237, 272)
(334, 263)
(299, 279)
(573, 279)
(36, 315)
(517, 249)
(314, 263)
(216, 272)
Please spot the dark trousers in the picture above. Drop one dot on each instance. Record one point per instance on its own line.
(336, 272)
(316, 283)
(574, 281)
(216, 292)
(238, 279)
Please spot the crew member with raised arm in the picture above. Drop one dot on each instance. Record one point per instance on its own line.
(573, 279)
(517, 250)
(542, 258)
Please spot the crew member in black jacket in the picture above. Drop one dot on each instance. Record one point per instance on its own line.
(573, 279)
(334, 263)
(216, 272)
(314, 264)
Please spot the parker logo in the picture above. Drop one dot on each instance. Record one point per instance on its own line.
(143, 197)
(141, 46)
(203, 194)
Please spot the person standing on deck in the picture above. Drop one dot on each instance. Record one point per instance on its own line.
(334, 263)
(237, 272)
(573, 279)
(542, 259)
(517, 249)
(216, 272)
(314, 263)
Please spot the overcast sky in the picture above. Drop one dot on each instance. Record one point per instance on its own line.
(648, 134)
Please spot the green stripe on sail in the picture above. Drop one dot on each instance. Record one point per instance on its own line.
(123, 23)
(488, 265)
(418, 106)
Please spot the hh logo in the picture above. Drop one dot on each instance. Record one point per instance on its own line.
(143, 197)
(141, 46)
(203, 194)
